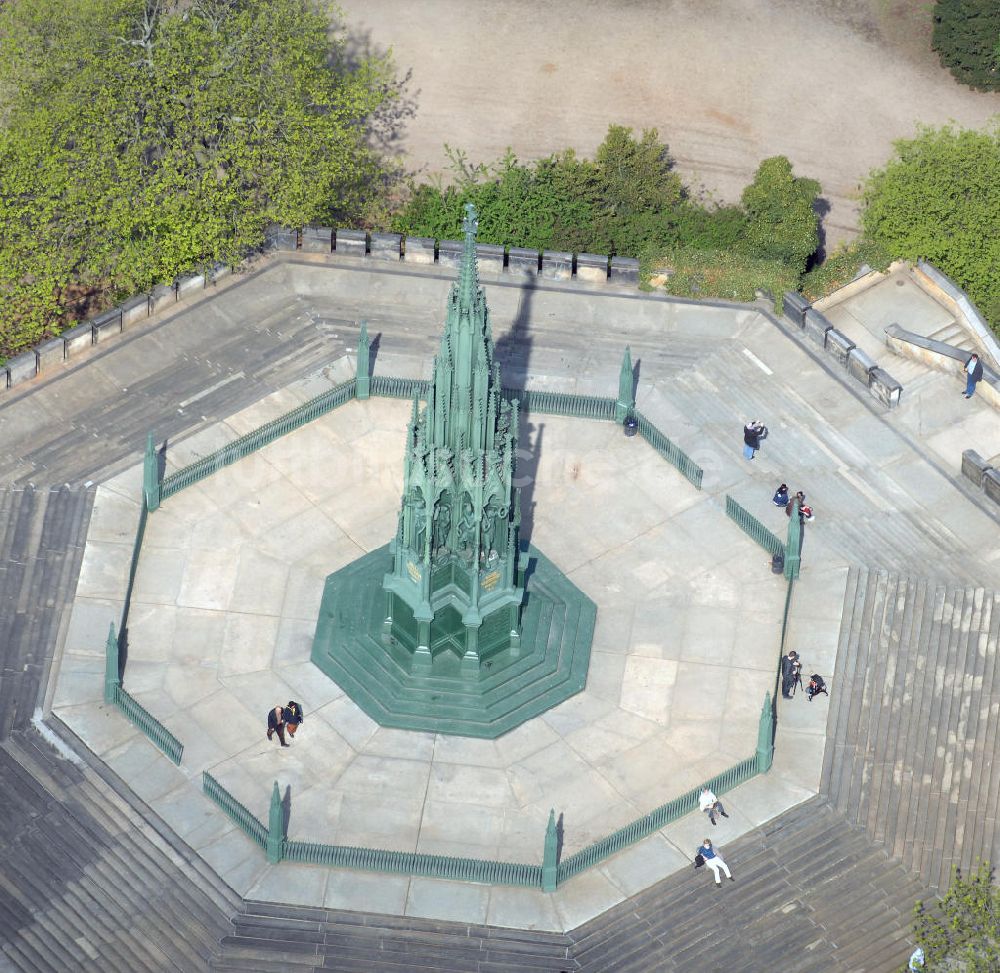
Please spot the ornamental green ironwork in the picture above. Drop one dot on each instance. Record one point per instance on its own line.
(439, 630)
(455, 554)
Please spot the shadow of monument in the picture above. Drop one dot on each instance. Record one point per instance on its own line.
(513, 352)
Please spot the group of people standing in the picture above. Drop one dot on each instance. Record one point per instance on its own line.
(284, 718)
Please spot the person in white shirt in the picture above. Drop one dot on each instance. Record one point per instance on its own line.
(709, 803)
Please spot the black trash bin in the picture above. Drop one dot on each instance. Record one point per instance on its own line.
(778, 562)
(630, 425)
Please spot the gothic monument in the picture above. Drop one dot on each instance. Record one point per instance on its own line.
(456, 626)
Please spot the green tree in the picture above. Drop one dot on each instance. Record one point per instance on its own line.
(781, 220)
(638, 193)
(967, 39)
(939, 199)
(143, 138)
(962, 933)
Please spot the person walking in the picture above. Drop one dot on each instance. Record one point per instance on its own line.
(790, 667)
(276, 724)
(709, 803)
(714, 861)
(753, 432)
(973, 375)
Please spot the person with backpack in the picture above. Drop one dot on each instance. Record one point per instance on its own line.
(713, 859)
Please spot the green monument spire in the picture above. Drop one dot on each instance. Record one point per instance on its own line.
(455, 625)
(453, 592)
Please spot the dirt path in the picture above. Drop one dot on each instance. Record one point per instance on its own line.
(829, 83)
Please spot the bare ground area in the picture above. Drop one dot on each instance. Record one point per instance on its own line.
(829, 83)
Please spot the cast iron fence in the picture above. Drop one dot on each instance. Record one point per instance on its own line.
(672, 453)
(547, 876)
(752, 527)
(257, 438)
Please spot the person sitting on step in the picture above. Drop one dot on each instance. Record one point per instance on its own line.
(780, 498)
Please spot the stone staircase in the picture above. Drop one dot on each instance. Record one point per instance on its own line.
(285, 939)
(955, 335)
(88, 883)
(913, 721)
(42, 536)
(859, 518)
(811, 893)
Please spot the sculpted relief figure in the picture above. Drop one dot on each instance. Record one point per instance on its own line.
(467, 527)
(442, 522)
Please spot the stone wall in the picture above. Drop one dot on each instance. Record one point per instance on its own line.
(493, 259)
(947, 291)
(814, 327)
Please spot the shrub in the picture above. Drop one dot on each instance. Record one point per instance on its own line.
(841, 267)
(726, 274)
(967, 39)
(939, 199)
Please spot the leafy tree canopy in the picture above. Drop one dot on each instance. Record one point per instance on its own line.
(142, 138)
(939, 199)
(962, 934)
(781, 222)
(967, 39)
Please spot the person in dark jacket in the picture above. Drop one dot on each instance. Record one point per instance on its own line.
(973, 375)
(780, 498)
(753, 432)
(276, 724)
(292, 714)
(816, 686)
(790, 667)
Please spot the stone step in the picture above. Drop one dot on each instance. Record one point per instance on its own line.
(112, 886)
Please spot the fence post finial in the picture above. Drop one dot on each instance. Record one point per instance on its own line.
(111, 679)
(765, 737)
(275, 828)
(625, 404)
(549, 863)
(150, 476)
(362, 389)
(793, 545)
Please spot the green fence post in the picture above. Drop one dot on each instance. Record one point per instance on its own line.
(362, 388)
(151, 476)
(794, 543)
(765, 737)
(111, 680)
(275, 828)
(549, 863)
(625, 404)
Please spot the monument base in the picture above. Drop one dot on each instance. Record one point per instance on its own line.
(542, 666)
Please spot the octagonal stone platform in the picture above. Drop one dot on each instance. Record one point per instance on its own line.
(224, 609)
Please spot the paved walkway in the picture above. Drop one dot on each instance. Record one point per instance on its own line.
(704, 370)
